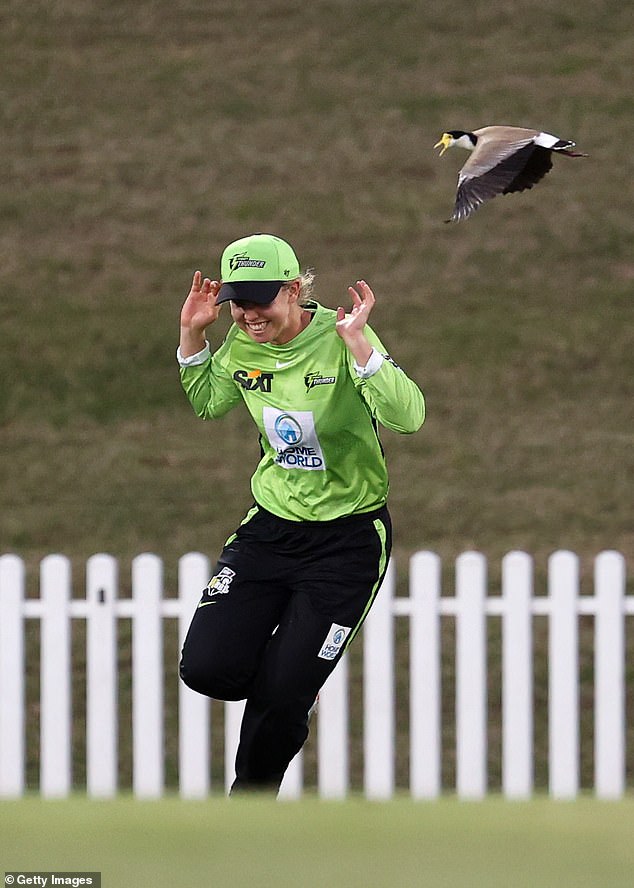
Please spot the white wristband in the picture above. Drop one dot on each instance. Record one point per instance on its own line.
(373, 364)
(193, 360)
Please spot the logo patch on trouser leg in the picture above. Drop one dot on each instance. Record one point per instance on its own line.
(334, 641)
(217, 585)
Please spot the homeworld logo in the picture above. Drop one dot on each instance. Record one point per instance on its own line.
(295, 454)
(289, 430)
(254, 380)
(242, 260)
(334, 641)
(294, 439)
(313, 379)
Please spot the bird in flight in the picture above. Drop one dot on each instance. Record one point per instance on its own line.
(503, 159)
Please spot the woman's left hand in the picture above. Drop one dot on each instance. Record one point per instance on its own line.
(350, 326)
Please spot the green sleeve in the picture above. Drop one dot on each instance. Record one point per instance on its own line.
(393, 398)
(210, 388)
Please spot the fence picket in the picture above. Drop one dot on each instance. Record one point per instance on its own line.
(332, 734)
(193, 709)
(609, 665)
(55, 678)
(563, 659)
(233, 717)
(12, 722)
(147, 677)
(292, 785)
(101, 677)
(471, 686)
(517, 676)
(425, 692)
(378, 693)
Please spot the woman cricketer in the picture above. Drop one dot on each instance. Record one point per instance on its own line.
(296, 580)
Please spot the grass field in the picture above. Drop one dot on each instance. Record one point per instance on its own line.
(139, 139)
(356, 844)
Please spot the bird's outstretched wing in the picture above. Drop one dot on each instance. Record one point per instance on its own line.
(473, 191)
(538, 164)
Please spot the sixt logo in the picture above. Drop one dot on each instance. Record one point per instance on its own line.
(313, 379)
(242, 260)
(254, 380)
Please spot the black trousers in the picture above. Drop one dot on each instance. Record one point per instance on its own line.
(284, 602)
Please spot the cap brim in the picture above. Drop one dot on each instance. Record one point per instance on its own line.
(260, 292)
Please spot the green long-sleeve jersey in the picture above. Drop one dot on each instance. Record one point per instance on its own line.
(317, 417)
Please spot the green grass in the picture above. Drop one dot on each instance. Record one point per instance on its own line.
(261, 844)
(137, 143)
(138, 139)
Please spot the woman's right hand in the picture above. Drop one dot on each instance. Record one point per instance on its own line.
(198, 312)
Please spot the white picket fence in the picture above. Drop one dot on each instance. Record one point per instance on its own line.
(424, 607)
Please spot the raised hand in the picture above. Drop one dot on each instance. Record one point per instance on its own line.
(350, 326)
(198, 312)
(200, 309)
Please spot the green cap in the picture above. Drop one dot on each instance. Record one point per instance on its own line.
(254, 268)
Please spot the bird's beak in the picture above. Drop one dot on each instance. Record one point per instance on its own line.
(444, 143)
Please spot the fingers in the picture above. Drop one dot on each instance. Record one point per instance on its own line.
(199, 285)
(362, 297)
(205, 287)
(366, 292)
(214, 289)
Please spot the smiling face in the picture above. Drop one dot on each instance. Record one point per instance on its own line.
(277, 322)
